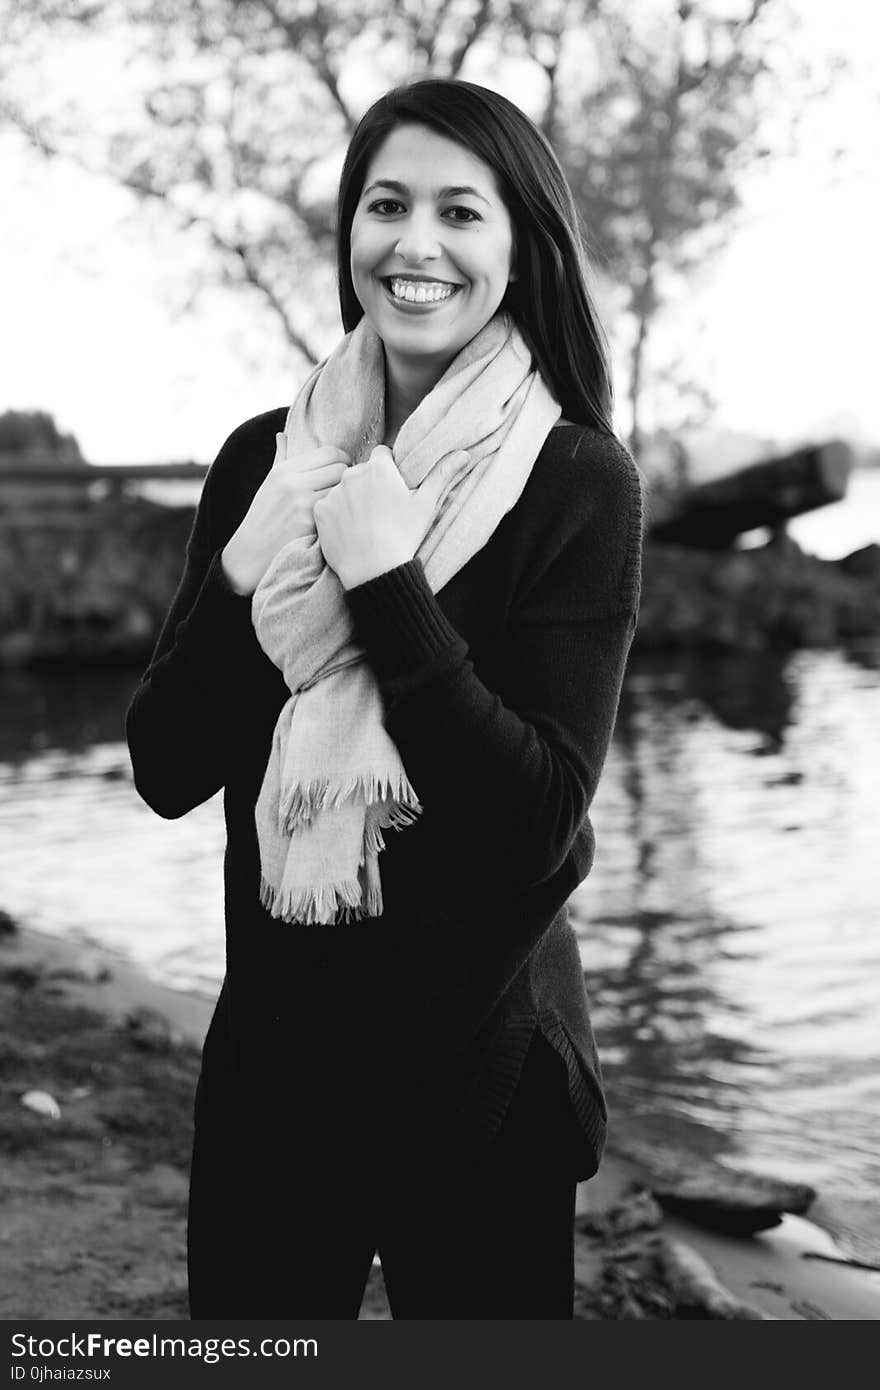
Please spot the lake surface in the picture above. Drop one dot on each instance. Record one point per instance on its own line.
(728, 930)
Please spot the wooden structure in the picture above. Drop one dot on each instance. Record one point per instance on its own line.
(14, 469)
(35, 490)
(710, 516)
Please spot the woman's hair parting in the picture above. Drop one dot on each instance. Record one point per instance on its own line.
(550, 300)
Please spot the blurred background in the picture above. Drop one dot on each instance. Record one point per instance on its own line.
(168, 175)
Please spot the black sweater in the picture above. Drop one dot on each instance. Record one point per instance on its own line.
(500, 692)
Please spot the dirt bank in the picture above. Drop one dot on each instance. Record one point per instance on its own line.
(94, 1193)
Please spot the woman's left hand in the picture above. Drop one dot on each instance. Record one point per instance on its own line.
(371, 521)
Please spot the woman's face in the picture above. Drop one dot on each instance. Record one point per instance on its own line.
(415, 226)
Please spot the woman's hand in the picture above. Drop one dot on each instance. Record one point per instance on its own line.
(372, 521)
(282, 510)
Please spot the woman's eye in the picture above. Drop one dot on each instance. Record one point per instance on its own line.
(382, 204)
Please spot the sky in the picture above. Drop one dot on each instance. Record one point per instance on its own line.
(783, 323)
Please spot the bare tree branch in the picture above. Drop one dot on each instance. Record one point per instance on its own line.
(239, 130)
(478, 26)
(309, 34)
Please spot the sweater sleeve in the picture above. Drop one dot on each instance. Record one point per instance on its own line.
(509, 773)
(181, 720)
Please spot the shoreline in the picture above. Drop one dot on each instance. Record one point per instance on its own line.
(99, 1193)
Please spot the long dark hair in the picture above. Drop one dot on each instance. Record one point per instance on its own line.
(550, 300)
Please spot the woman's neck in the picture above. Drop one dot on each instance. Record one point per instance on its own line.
(406, 384)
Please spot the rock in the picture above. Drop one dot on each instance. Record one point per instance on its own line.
(863, 563)
(720, 1199)
(697, 1290)
(737, 1204)
(24, 977)
(87, 580)
(89, 970)
(42, 1103)
(8, 924)
(766, 598)
(632, 1283)
(95, 970)
(149, 1029)
(637, 1212)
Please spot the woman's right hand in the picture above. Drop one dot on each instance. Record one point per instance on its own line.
(282, 511)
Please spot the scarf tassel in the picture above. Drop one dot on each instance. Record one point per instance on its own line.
(301, 804)
(322, 903)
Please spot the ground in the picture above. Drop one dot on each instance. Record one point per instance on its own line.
(94, 1174)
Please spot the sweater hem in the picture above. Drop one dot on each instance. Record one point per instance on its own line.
(492, 1090)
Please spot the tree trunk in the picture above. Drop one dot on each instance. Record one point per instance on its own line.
(713, 514)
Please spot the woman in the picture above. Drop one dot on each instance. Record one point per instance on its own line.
(407, 605)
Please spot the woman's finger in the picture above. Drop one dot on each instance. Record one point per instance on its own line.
(280, 449)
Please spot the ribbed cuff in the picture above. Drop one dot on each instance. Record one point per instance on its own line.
(217, 638)
(400, 624)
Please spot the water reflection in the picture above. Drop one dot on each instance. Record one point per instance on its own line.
(63, 710)
(675, 1052)
(743, 691)
(80, 854)
(728, 927)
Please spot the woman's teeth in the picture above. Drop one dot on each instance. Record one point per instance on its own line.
(421, 292)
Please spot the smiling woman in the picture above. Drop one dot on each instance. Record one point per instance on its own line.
(407, 605)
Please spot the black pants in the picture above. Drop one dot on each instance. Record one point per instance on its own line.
(284, 1219)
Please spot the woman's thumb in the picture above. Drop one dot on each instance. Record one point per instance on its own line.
(280, 448)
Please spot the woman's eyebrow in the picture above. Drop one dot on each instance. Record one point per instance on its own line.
(453, 191)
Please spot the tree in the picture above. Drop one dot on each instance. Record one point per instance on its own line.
(232, 116)
(667, 136)
(34, 434)
(235, 115)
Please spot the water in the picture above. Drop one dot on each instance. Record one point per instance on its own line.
(729, 927)
(844, 526)
(728, 930)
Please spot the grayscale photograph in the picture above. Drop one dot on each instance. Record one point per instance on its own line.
(439, 670)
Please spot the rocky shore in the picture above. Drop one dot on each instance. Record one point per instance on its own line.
(90, 580)
(97, 1072)
(770, 597)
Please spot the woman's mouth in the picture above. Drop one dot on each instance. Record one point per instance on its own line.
(418, 294)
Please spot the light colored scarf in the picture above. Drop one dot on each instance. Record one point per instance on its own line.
(335, 778)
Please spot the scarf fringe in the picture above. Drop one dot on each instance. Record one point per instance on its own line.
(399, 816)
(374, 840)
(300, 805)
(321, 903)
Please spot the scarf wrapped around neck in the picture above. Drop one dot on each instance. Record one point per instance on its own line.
(335, 779)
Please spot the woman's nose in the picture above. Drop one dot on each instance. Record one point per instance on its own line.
(418, 241)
